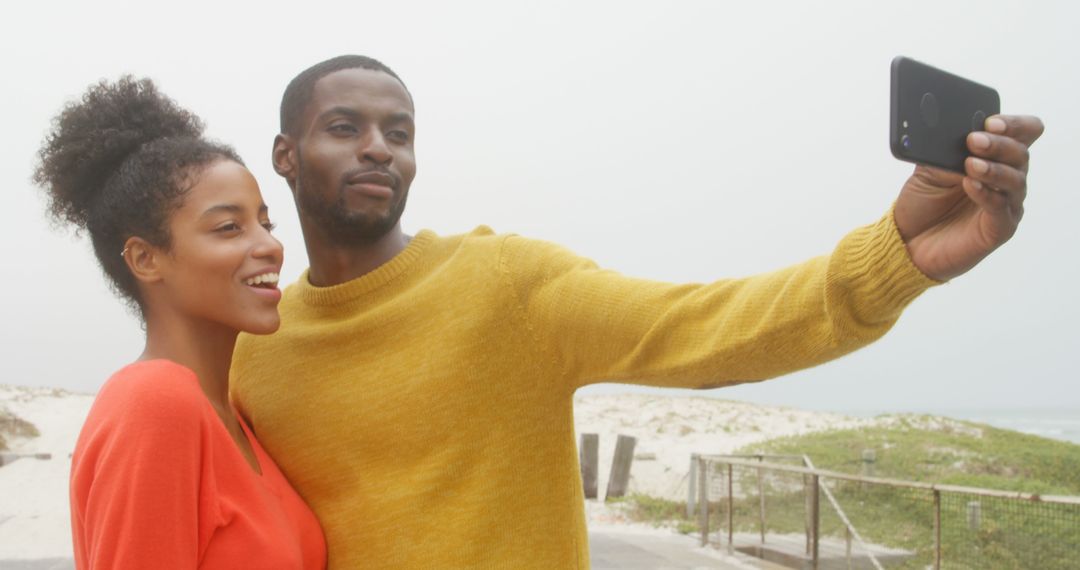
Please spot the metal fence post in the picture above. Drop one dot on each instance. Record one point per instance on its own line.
(847, 540)
(815, 518)
(730, 508)
(703, 500)
(806, 509)
(761, 497)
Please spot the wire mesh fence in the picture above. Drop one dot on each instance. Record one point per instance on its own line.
(779, 509)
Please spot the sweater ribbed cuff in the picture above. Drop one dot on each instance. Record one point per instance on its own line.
(876, 268)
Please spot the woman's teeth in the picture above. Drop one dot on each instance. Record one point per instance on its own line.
(264, 279)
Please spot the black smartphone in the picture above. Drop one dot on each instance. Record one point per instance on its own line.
(933, 111)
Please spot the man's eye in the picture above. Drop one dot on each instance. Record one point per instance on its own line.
(342, 128)
(398, 136)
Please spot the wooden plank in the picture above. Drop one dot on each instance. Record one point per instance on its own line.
(620, 467)
(589, 456)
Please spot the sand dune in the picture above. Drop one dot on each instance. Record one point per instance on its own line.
(671, 428)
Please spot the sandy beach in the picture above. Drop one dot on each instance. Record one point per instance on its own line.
(34, 521)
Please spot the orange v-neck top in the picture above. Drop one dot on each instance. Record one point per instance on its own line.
(158, 482)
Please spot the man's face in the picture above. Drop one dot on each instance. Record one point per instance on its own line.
(355, 156)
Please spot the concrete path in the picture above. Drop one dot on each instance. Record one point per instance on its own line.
(41, 564)
(610, 549)
(619, 549)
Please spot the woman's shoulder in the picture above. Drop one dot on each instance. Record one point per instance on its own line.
(159, 389)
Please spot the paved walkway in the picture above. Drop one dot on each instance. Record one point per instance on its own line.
(610, 549)
(618, 549)
(42, 564)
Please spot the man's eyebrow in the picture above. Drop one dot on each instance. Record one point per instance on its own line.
(400, 116)
(345, 111)
(230, 208)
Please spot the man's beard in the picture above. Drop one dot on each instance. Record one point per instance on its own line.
(342, 226)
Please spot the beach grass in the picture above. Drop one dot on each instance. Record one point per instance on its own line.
(940, 450)
(976, 531)
(14, 426)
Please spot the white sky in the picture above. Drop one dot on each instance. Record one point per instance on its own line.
(681, 141)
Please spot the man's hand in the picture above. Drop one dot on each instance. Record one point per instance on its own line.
(950, 222)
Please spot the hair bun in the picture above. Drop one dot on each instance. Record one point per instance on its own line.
(91, 139)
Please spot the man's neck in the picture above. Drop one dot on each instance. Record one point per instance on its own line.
(333, 264)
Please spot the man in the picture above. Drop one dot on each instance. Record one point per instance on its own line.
(419, 392)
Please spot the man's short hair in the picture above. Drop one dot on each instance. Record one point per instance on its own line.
(298, 93)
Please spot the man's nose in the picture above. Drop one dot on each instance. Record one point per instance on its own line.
(375, 149)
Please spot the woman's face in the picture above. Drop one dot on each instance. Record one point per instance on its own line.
(223, 264)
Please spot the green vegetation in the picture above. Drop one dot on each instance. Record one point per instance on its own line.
(14, 426)
(939, 450)
(656, 511)
(976, 532)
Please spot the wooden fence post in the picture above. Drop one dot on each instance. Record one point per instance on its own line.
(974, 515)
(589, 456)
(620, 467)
(691, 486)
(869, 458)
(937, 529)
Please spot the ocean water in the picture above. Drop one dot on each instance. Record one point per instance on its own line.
(1063, 425)
(1054, 424)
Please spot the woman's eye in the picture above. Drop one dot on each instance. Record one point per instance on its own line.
(270, 226)
(229, 227)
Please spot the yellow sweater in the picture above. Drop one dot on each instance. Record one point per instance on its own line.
(424, 410)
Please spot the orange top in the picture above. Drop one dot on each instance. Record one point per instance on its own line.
(158, 482)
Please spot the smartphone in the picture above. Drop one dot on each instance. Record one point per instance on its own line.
(932, 112)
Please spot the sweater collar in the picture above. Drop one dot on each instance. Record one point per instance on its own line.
(401, 264)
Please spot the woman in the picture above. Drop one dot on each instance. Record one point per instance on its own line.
(165, 473)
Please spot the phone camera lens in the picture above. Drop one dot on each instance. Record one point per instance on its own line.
(905, 141)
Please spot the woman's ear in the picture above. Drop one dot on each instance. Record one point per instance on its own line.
(143, 259)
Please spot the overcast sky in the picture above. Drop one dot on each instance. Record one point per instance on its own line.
(680, 141)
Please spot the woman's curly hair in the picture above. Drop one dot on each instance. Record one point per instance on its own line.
(117, 163)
